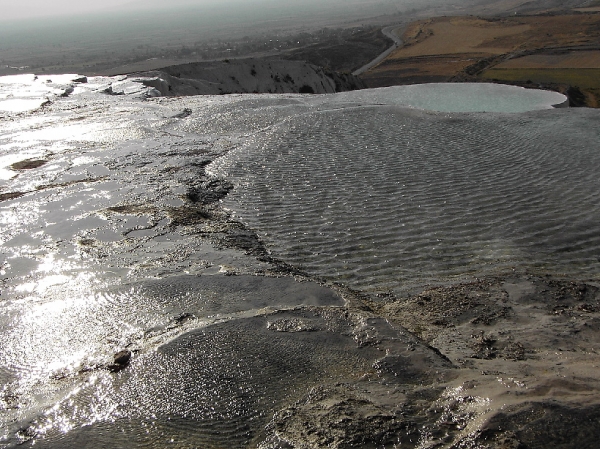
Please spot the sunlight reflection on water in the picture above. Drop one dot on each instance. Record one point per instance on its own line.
(355, 187)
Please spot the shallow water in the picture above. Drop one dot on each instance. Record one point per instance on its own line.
(461, 97)
(407, 197)
(107, 245)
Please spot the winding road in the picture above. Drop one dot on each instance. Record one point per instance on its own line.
(389, 32)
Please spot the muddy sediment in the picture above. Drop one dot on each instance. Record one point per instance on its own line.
(516, 357)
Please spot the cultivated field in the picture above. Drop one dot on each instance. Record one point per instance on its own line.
(583, 78)
(567, 60)
(562, 50)
(457, 35)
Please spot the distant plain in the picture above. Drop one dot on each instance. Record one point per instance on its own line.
(111, 43)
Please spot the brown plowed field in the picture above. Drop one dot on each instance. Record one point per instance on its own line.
(454, 35)
(569, 60)
(472, 48)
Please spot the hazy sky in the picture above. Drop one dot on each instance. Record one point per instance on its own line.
(12, 10)
(23, 9)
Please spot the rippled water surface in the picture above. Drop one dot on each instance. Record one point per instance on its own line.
(383, 197)
(114, 236)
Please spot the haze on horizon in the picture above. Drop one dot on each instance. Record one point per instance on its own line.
(35, 9)
(38, 23)
(30, 9)
(83, 36)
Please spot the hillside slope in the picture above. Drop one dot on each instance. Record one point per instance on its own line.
(247, 76)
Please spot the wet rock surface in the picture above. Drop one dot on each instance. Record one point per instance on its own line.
(344, 377)
(120, 360)
(121, 241)
(340, 416)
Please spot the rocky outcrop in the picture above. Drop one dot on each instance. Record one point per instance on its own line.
(247, 76)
